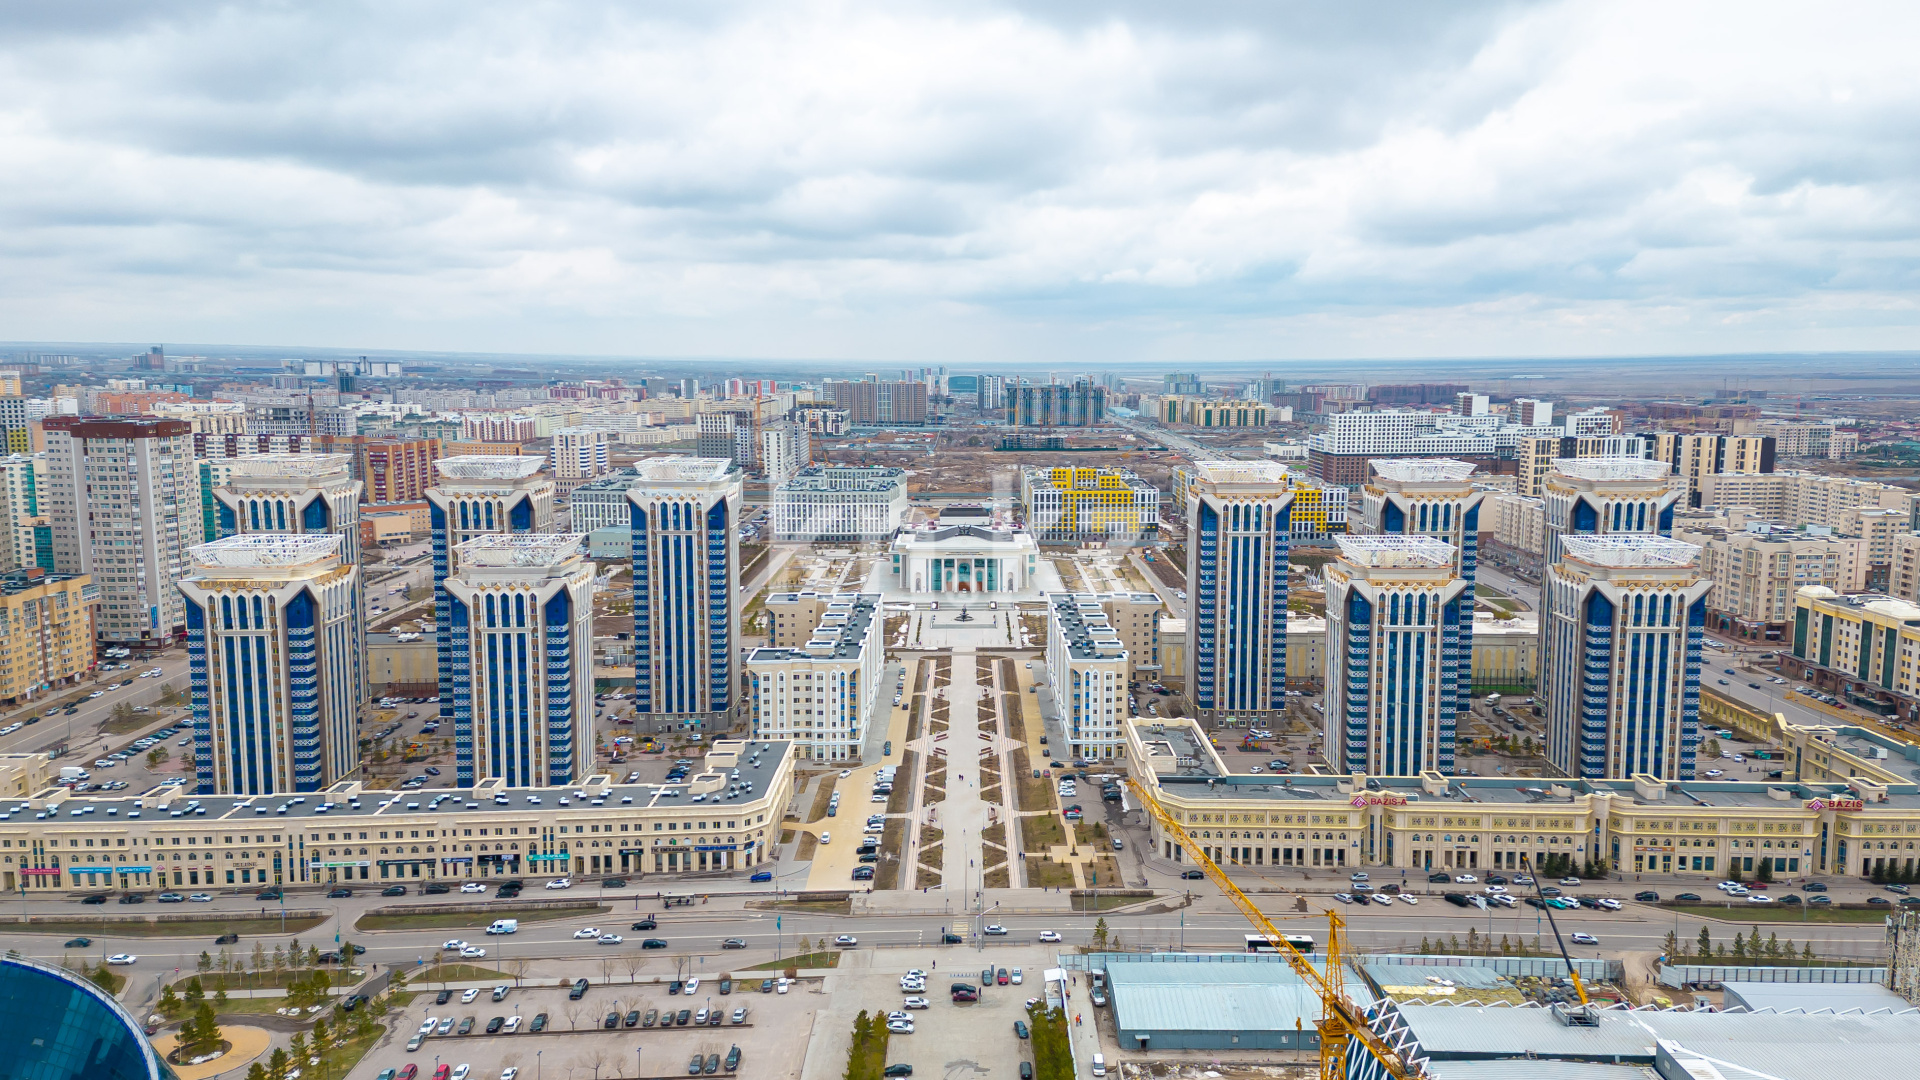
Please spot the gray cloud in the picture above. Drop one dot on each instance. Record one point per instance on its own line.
(946, 181)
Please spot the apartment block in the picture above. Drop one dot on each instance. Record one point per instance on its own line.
(581, 453)
(522, 612)
(1809, 439)
(1621, 643)
(1756, 571)
(601, 503)
(871, 402)
(1865, 647)
(1212, 412)
(1519, 523)
(1088, 667)
(1081, 404)
(843, 504)
(123, 501)
(1067, 504)
(1696, 457)
(821, 688)
(46, 632)
(273, 627)
(785, 448)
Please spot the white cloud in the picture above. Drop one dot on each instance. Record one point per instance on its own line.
(951, 182)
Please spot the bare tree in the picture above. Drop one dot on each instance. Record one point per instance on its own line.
(574, 1012)
(597, 1060)
(518, 969)
(633, 962)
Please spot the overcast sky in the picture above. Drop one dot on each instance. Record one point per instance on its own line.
(963, 181)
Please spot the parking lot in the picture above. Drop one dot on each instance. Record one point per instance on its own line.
(972, 1039)
(576, 1041)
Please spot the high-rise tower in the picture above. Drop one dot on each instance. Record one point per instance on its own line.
(1625, 622)
(1396, 660)
(1239, 514)
(686, 616)
(522, 608)
(292, 493)
(1606, 496)
(272, 633)
(478, 495)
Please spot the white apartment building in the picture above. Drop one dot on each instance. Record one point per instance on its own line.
(1087, 666)
(824, 691)
(1755, 572)
(580, 453)
(522, 608)
(1809, 439)
(601, 503)
(686, 607)
(840, 504)
(273, 628)
(123, 500)
(785, 449)
(20, 512)
(1518, 522)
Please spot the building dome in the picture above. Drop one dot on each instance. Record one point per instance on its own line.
(66, 1028)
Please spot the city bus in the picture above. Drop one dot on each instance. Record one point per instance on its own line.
(1260, 943)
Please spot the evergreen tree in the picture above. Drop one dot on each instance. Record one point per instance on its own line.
(1879, 875)
(277, 1064)
(1807, 952)
(256, 1071)
(1671, 946)
(1739, 945)
(1425, 947)
(194, 991)
(1773, 945)
(1473, 940)
(1705, 948)
(1765, 873)
(1506, 948)
(1100, 934)
(206, 961)
(169, 1001)
(298, 1046)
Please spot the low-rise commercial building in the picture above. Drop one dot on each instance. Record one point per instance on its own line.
(53, 840)
(820, 694)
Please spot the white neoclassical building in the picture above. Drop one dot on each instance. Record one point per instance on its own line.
(964, 559)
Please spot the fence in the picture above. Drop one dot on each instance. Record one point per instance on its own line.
(1678, 975)
(1523, 966)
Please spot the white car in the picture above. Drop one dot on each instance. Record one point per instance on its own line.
(587, 932)
(911, 984)
(1408, 898)
(511, 1072)
(427, 1025)
(611, 939)
(560, 883)
(472, 952)
(995, 930)
(122, 959)
(1466, 879)
(916, 1003)
(473, 886)
(899, 1018)
(1050, 935)
(453, 945)
(1493, 890)
(1759, 898)
(200, 898)
(900, 1027)
(692, 987)
(513, 1024)
(826, 838)
(844, 773)
(1585, 939)
(461, 1070)
(1016, 976)
(468, 997)
(846, 941)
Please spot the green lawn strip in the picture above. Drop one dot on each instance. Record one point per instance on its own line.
(340, 1060)
(141, 928)
(1038, 832)
(801, 961)
(1791, 913)
(1043, 873)
(477, 920)
(446, 973)
(867, 1057)
(1052, 1056)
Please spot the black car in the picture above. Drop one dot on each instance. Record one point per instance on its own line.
(353, 1002)
(96, 898)
(682, 1017)
(539, 1022)
(713, 1063)
(339, 894)
(465, 1028)
(1790, 898)
(271, 894)
(902, 1069)
(443, 997)
(1193, 875)
(494, 1025)
(1496, 879)
(734, 943)
(733, 1059)
(644, 924)
(1458, 899)
(1439, 879)
(633, 1018)
(1816, 886)
(612, 1020)
(950, 939)
(435, 888)
(1534, 901)
(1686, 898)
(133, 898)
(726, 986)
(614, 883)
(1879, 901)
(79, 943)
(227, 938)
(1647, 897)
(654, 943)
(863, 873)
(394, 890)
(1020, 1029)
(694, 1066)
(674, 986)
(579, 990)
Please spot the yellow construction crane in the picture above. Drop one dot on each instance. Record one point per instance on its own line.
(1341, 1020)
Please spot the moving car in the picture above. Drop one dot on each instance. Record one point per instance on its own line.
(122, 959)
(1581, 938)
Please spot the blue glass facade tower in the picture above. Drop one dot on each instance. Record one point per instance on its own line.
(478, 495)
(686, 611)
(1239, 513)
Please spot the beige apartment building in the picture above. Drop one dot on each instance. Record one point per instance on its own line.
(1801, 497)
(46, 631)
(1756, 572)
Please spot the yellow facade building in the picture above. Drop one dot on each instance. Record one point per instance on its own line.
(46, 631)
(1067, 504)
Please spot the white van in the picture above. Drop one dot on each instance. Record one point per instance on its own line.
(504, 926)
(1099, 1065)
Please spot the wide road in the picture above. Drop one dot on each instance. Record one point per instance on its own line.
(697, 933)
(77, 731)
